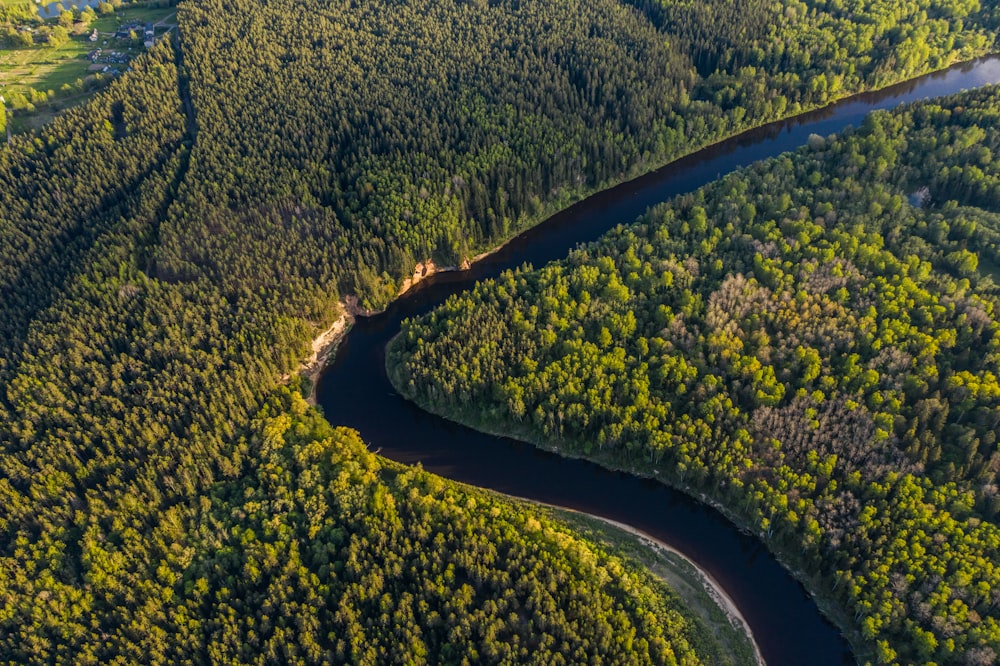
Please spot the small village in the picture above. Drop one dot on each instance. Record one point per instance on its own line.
(129, 31)
(105, 60)
(109, 58)
(57, 57)
(135, 28)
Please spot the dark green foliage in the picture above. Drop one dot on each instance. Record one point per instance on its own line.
(169, 249)
(320, 553)
(124, 396)
(98, 174)
(444, 127)
(796, 340)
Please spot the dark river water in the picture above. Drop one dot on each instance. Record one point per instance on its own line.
(354, 391)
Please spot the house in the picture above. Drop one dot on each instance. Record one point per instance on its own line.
(125, 30)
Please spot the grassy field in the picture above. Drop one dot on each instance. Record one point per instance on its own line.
(147, 14)
(43, 67)
(29, 121)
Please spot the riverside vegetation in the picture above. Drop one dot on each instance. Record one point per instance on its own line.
(171, 246)
(149, 516)
(812, 342)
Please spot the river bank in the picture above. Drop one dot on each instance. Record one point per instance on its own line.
(324, 346)
(675, 568)
(368, 412)
(426, 269)
(824, 602)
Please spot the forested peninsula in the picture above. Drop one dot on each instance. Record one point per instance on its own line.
(171, 247)
(812, 343)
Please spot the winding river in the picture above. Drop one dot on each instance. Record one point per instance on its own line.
(354, 391)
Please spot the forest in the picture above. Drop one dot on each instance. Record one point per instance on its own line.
(163, 502)
(813, 342)
(170, 247)
(449, 126)
(320, 552)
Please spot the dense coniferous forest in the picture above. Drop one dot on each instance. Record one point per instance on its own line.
(170, 248)
(149, 516)
(812, 342)
(445, 126)
(322, 553)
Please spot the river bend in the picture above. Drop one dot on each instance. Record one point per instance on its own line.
(355, 392)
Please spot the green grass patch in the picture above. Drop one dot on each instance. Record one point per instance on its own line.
(147, 14)
(43, 67)
(44, 115)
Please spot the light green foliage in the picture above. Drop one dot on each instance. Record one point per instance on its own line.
(797, 341)
(348, 558)
(170, 247)
(322, 553)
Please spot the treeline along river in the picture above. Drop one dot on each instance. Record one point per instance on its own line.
(355, 392)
